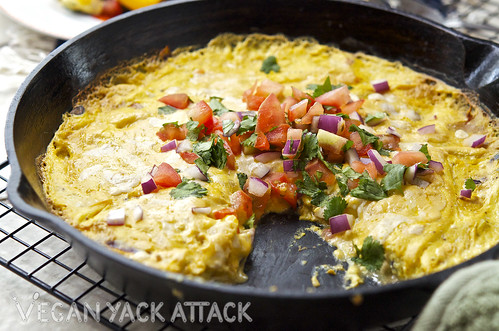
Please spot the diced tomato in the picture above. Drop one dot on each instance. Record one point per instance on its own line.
(235, 144)
(268, 87)
(270, 115)
(253, 102)
(177, 100)
(217, 124)
(259, 204)
(409, 158)
(189, 157)
(352, 106)
(166, 176)
(171, 131)
(242, 204)
(287, 103)
(261, 142)
(110, 9)
(298, 110)
(336, 98)
(390, 142)
(282, 187)
(371, 169)
(221, 213)
(360, 167)
(345, 131)
(277, 137)
(352, 183)
(318, 170)
(358, 145)
(300, 95)
(231, 158)
(315, 110)
(202, 113)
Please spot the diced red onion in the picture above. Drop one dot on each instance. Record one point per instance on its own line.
(474, 141)
(260, 170)
(341, 223)
(436, 166)
(421, 183)
(153, 170)
(288, 165)
(137, 213)
(169, 146)
(392, 131)
(356, 116)
(465, 194)
(184, 146)
(257, 187)
(116, 217)
(234, 129)
(315, 124)
(241, 114)
(329, 123)
(410, 174)
(148, 184)
(424, 172)
(195, 172)
(268, 157)
(429, 129)
(377, 159)
(365, 160)
(201, 210)
(351, 155)
(380, 85)
(291, 148)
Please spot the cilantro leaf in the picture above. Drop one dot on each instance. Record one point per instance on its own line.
(310, 150)
(350, 173)
(247, 124)
(365, 136)
(424, 150)
(250, 223)
(315, 190)
(166, 110)
(470, 184)
(394, 177)
(342, 181)
(270, 64)
(347, 146)
(227, 126)
(193, 130)
(368, 189)
(321, 89)
(376, 118)
(250, 142)
(334, 206)
(242, 178)
(371, 255)
(217, 106)
(188, 188)
(212, 152)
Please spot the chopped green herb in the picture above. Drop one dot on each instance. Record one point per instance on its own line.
(319, 90)
(348, 145)
(270, 64)
(350, 173)
(166, 110)
(242, 178)
(333, 206)
(250, 223)
(376, 118)
(384, 152)
(227, 126)
(344, 116)
(188, 188)
(310, 150)
(247, 124)
(394, 177)
(175, 124)
(250, 142)
(217, 106)
(470, 184)
(368, 189)
(368, 138)
(193, 130)
(371, 255)
(315, 190)
(424, 150)
(212, 152)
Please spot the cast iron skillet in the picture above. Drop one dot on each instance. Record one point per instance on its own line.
(46, 94)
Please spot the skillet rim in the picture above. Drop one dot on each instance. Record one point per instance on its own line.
(71, 234)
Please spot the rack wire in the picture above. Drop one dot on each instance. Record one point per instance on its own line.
(45, 259)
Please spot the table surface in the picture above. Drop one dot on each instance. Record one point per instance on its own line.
(20, 51)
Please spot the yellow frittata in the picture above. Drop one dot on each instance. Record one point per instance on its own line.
(102, 151)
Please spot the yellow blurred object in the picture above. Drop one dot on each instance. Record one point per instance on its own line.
(135, 4)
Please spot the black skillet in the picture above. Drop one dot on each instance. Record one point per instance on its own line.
(279, 287)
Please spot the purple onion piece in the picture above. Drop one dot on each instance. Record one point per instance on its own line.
(392, 131)
(475, 140)
(153, 170)
(365, 160)
(380, 85)
(268, 157)
(410, 174)
(351, 155)
(148, 184)
(378, 161)
(257, 187)
(234, 129)
(116, 217)
(466, 194)
(341, 223)
(315, 124)
(195, 172)
(424, 172)
(261, 170)
(329, 123)
(241, 114)
(436, 166)
(184, 146)
(421, 183)
(288, 165)
(429, 129)
(169, 146)
(356, 116)
(291, 147)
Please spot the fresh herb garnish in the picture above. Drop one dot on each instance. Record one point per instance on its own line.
(394, 177)
(347, 146)
(193, 130)
(319, 90)
(424, 150)
(368, 189)
(188, 188)
(250, 141)
(270, 64)
(333, 206)
(470, 184)
(371, 255)
(242, 178)
(315, 190)
(310, 150)
(212, 152)
(247, 124)
(227, 126)
(166, 110)
(250, 223)
(217, 106)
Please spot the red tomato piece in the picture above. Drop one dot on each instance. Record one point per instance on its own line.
(189, 157)
(352, 106)
(268, 87)
(358, 145)
(166, 176)
(315, 110)
(318, 170)
(282, 187)
(170, 131)
(390, 142)
(287, 103)
(110, 9)
(270, 115)
(345, 131)
(298, 110)
(335, 98)
(300, 95)
(277, 137)
(177, 100)
(242, 204)
(261, 142)
(202, 113)
(409, 158)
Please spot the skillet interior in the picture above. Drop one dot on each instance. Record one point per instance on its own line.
(36, 112)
